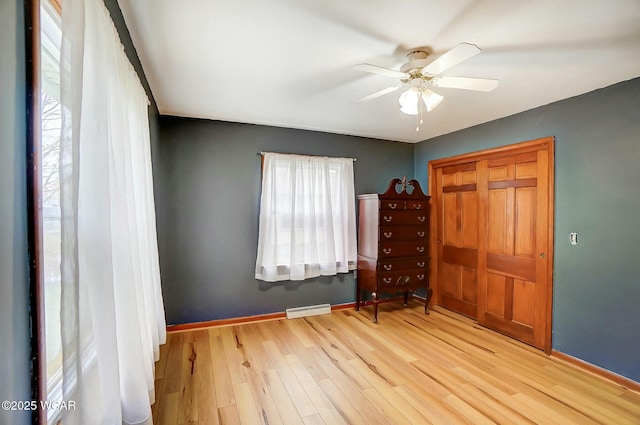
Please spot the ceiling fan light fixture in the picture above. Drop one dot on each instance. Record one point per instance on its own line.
(431, 99)
(409, 101)
(410, 98)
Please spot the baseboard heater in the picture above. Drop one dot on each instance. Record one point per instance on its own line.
(310, 310)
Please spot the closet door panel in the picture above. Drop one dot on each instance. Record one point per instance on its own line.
(512, 276)
(458, 238)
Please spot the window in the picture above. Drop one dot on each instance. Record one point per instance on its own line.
(51, 124)
(307, 218)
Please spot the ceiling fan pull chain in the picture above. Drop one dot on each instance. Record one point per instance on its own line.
(420, 108)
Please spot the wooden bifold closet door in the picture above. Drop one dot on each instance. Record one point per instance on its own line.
(493, 219)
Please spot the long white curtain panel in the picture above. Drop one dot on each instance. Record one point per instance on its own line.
(112, 308)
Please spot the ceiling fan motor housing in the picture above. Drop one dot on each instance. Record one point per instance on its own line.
(417, 61)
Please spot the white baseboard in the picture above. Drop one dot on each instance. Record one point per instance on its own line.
(311, 310)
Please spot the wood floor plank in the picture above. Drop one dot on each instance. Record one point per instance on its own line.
(221, 377)
(229, 415)
(433, 409)
(493, 408)
(260, 391)
(168, 410)
(322, 404)
(300, 399)
(206, 389)
(336, 367)
(161, 365)
(410, 368)
(310, 362)
(476, 417)
(234, 353)
(347, 409)
(188, 400)
(174, 365)
(314, 420)
(246, 405)
(282, 400)
(391, 414)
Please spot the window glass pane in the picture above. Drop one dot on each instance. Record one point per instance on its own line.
(50, 192)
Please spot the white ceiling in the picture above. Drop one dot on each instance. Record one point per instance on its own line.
(289, 63)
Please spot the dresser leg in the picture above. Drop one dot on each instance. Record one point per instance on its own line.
(406, 298)
(358, 295)
(375, 306)
(427, 300)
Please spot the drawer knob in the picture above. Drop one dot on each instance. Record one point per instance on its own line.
(386, 250)
(388, 218)
(417, 206)
(388, 266)
(420, 248)
(420, 277)
(386, 280)
(393, 206)
(420, 263)
(387, 234)
(421, 234)
(422, 218)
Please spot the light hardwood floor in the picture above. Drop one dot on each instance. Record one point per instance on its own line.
(409, 369)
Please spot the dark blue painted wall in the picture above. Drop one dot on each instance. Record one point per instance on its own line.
(208, 218)
(14, 278)
(597, 194)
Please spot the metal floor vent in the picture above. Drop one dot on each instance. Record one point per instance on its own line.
(311, 310)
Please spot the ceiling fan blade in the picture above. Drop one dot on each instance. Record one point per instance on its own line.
(380, 70)
(466, 83)
(460, 53)
(378, 94)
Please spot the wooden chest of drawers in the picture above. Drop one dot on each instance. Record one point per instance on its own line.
(393, 243)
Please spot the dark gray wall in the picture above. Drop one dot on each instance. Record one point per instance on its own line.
(14, 280)
(208, 221)
(597, 282)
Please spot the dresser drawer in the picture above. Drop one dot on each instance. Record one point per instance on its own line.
(404, 278)
(403, 249)
(413, 217)
(392, 204)
(403, 233)
(396, 265)
(417, 205)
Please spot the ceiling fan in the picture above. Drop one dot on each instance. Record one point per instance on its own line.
(421, 75)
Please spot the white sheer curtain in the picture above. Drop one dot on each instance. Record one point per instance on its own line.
(112, 312)
(307, 217)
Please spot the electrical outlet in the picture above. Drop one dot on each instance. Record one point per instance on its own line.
(573, 238)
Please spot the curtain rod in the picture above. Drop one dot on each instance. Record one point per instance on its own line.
(262, 154)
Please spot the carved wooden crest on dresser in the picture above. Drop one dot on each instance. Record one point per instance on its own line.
(393, 243)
